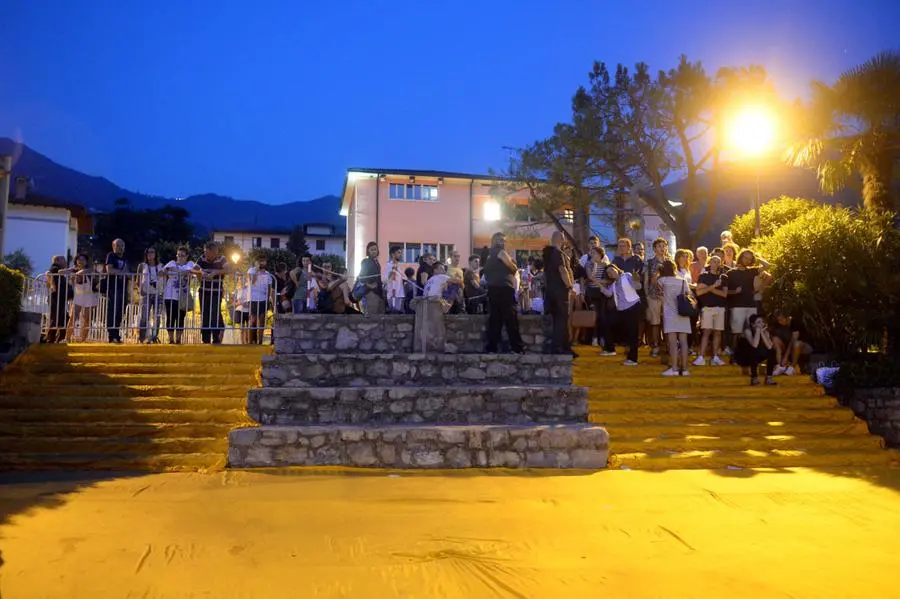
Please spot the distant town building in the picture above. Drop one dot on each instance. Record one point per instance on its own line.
(42, 226)
(320, 237)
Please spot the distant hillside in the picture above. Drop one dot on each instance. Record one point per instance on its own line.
(209, 211)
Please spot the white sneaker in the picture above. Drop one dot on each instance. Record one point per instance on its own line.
(607, 354)
(594, 343)
(685, 373)
(779, 370)
(789, 371)
(727, 351)
(670, 372)
(699, 361)
(629, 363)
(717, 361)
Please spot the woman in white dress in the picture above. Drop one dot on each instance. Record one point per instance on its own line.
(675, 327)
(177, 296)
(85, 300)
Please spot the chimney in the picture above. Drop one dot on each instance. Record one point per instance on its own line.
(21, 188)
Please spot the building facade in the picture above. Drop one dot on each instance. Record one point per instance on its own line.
(320, 237)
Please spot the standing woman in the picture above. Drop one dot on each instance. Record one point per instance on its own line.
(370, 277)
(151, 296)
(684, 269)
(676, 328)
(595, 281)
(86, 285)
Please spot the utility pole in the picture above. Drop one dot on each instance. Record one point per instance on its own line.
(5, 176)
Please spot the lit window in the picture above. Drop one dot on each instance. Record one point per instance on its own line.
(410, 191)
(569, 214)
(491, 211)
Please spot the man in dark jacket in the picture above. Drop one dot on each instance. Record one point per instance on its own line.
(500, 272)
(557, 293)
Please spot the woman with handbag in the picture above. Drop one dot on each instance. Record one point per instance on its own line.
(595, 281)
(676, 295)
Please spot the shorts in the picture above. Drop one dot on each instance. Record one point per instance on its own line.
(712, 318)
(259, 309)
(739, 318)
(654, 311)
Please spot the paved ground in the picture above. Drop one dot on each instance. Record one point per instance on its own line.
(616, 533)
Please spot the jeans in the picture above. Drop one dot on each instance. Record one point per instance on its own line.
(298, 305)
(502, 314)
(116, 298)
(151, 303)
(212, 325)
(629, 322)
(556, 305)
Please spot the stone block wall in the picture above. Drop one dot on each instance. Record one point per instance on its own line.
(394, 405)
(880, 408)
(402, 370)
(548, 446)
(337, 333)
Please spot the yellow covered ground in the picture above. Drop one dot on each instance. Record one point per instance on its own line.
(739, 533)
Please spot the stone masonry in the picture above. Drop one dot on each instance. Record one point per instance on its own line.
(349, 391)
(880, 407)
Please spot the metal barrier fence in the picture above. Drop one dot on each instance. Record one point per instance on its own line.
(155, 306)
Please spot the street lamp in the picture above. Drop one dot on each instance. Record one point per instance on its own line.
(752, 132)
(235, 257)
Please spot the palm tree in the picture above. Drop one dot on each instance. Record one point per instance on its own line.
(853, 129)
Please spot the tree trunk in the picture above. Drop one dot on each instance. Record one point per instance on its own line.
(621, 221)
(581, 228)
(877, 174)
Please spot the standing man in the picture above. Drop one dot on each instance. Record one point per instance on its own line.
(500, 272)
(213, 268)
(394, 292)
(654, 293)
(558, 293)
(300, 276)
(116, 290)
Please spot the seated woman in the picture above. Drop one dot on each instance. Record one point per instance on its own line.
(754, 347)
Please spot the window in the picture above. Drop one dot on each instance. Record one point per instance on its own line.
(257, 242)
(413, 250)
(522, 213)
(275, 243)
(409, 191)
(320, 245)
(568, 215)
(229, 239)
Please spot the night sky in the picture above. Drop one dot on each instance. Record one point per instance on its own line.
(272, 100)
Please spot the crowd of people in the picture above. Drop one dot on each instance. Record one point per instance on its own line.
(703, 308)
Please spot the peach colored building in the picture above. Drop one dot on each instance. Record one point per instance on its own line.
(436, 212)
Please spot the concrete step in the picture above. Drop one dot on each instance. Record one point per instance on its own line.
(688, 417)
(393, 405)
(180, 462)
(113, 445)
(421, 446)
(16, 380)
(147, 430)
(629, 393)
(107, 389)
(111, 350)
(775, 458)
(767, 443)
(728, 404)
(135, 416)
(399, 369)
(856, 429)
(159, 402)
(160, 368)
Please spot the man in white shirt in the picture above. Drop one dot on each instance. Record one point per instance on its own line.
(393, 281)
(437, 282)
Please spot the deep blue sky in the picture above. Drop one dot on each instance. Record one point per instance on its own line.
(272, 100)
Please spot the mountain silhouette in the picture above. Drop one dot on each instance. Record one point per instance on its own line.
(208, 211)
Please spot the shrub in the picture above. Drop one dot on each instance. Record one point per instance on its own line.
(19, 260)
(12, 283)
(772, 215)
(840, 271)
(274, 257)
(166, 250)
(869, 371)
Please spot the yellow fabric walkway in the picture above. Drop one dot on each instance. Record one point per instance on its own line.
(609, 534)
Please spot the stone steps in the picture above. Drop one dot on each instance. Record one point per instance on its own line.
(747, 458)
(104, 388)
(15, 380)
(156, 402)
(158, 368)
(729, 404)
(174, 462)
(132, 415)
(421, 446)
(519, 404)
(118, 430)
(113, 445)
(688, 417)
(405, 369)
(766, 443)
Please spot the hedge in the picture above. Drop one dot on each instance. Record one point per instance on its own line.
(12, 282)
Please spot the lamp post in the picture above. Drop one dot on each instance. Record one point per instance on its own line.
(5, 175)
(752, 132)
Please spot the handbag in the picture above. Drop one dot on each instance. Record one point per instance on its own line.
(583, 318)
(687, 303)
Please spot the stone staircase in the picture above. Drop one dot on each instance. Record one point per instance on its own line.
(107, 407)
(714, 419)
(334, 395)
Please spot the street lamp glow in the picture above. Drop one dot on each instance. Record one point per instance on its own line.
(752, 131)
(491, 211)
(235, 257)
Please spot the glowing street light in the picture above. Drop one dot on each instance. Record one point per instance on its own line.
(235, 257)
(751, 131)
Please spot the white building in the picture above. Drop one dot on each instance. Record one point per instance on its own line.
(43, 227)
(320, 237)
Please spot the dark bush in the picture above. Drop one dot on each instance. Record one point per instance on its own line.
(12, 283)
(869, 371)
